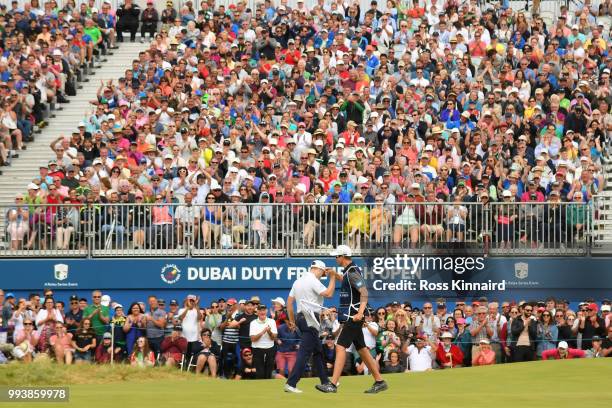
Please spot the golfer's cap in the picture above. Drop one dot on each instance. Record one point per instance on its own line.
(318, 264)
(342, 250)
(279, 300)
(563, 345)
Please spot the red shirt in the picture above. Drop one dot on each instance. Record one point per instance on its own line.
(456, 354)
(554, 354)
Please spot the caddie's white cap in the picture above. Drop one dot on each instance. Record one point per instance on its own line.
(342, 250)
(318, 264)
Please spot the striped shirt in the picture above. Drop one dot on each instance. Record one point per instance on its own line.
(230, 335)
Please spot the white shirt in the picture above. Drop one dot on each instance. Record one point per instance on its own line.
(43, 315)
(256, 327)
(307, 289)
(369, 338)
(190, 324)
(430, 323)
(419, 360)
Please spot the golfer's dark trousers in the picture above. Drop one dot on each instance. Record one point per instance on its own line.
(310, 343)
(522, 353)
(263, 359)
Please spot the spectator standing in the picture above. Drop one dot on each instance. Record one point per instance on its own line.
(591, 325)
(74, 315)
(480, 328)
(155, 325)
(190, 317)
(263, 333)
(524, 335)
(98, 314)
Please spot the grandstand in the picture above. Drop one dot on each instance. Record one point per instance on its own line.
(205, 153)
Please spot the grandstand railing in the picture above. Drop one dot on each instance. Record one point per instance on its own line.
(178, 230)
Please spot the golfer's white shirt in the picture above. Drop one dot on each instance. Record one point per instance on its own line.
(256, 327)
(307, 292)
(368, 337)
(419, 360)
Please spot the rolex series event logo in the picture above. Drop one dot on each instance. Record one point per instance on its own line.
(170, 274)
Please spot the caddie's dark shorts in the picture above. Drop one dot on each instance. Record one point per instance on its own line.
(351, 333)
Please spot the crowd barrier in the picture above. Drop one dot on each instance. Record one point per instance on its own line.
(264, 230)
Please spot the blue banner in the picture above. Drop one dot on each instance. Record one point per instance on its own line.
(387, 278)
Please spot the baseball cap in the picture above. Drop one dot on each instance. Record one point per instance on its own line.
(484, 341)
(173, 302)
(279, 300)
(231, 301)
(73, 297)
(246, 350)
(605, 308)
(593, 306)
(117, 306)
(563, 345)
(342, 250)
(318, 264)
(107, 335)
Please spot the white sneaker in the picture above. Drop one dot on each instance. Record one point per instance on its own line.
(291, 389)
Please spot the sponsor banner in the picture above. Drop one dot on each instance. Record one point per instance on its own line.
(391, 278)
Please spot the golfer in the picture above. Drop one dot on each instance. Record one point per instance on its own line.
(308, 292)
(353, 303)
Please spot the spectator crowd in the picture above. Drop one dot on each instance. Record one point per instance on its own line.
(246, 339)
(232, 109)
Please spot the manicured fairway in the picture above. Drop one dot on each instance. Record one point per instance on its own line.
(572, 383)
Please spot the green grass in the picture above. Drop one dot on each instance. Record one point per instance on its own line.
(558, 384)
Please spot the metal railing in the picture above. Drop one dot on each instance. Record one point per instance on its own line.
(180, 230)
